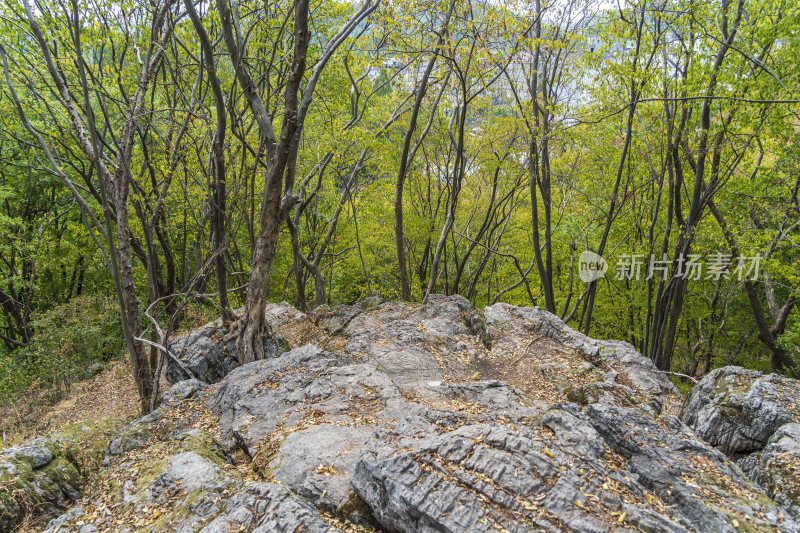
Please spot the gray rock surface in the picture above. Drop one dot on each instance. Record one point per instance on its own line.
(202, 353)
(440, 417)
(317, 464)
(413, 344)
(60, 521)
(36, 478)
(561, 354)
(738, 410)
(590, 468)
(755, 419)
(180, 479)
(134, 435)
(267, 508)
(777, 468)
(182, 390)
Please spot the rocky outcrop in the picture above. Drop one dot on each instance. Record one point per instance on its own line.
(777, 467)
(754, 419)
(437, 417)
(44, 476)
(738, 410)
(168, 472)
(203, 354)
(35, 478)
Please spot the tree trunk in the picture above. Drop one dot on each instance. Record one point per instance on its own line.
(217, 185)
(251, 328)
(405, 161)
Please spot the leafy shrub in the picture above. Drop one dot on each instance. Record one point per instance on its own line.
(790, 341)
(70, 341)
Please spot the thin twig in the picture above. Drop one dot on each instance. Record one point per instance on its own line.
(678, 374)
(170, 354)
(525, 351)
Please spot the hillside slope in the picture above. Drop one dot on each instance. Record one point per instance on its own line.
(401, 417)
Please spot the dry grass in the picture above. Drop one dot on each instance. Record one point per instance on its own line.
(109, 394)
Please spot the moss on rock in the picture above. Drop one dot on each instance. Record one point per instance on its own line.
(44, 476)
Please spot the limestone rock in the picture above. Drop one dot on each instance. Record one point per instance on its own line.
(579, 476)
(202, 353)
(777, 468)
(738, 410)
(182, 390)
(569, 358)
(437, 417)
(36, 478)
(755, 419)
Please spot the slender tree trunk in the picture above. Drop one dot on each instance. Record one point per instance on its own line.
(535, 166)
(113, 190)
(779, 360)
(676, 288)
(252, 327)
(405, 161)
(455, 187)
(217, 186)
(297, 266)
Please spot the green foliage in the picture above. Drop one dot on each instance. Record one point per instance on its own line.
(50, 259)
(790, 341)
(70, 342)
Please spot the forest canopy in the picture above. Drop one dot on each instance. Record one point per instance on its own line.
(632, 168)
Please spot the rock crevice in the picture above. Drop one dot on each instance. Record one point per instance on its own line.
(440, 417)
